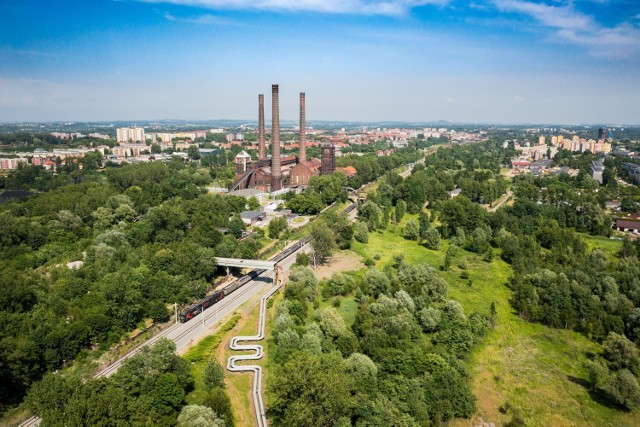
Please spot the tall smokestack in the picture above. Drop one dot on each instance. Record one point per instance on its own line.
(262, 151)
(276, 169)
(303, 129)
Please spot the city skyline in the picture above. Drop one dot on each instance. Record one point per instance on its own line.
(501, 61)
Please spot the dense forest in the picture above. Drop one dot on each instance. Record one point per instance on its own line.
(399, 364)
(145, 236)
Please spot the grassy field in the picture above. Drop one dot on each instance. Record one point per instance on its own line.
(533, 368)
(239, 384)
(611, 246)
(198, 356)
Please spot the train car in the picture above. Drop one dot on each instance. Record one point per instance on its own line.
(190, 312)
(242, 281)
(212, 299)
(195, 309)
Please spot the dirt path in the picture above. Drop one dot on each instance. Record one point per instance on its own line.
(501, 202)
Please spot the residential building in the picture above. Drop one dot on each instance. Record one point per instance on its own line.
(11, 163)
(133, 134)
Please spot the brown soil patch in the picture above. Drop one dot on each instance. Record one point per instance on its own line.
(342, 261)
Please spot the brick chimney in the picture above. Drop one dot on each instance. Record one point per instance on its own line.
(276, 168)
(303, 129)
(262, 151)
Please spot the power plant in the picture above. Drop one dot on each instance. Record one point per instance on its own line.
(274, 173)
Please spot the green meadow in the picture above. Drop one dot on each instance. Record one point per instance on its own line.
(520, 367)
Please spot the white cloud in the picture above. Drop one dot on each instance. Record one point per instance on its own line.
(202, 19)
(551, 16)
(360, 7)
(519, 98)
(571, 25)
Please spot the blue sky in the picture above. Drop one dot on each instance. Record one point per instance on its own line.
(500, 61)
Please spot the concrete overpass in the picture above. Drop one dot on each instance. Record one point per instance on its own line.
(246, 263)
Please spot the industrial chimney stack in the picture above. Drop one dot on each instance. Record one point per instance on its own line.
(303, 129)
(262, 151)
(276, 169)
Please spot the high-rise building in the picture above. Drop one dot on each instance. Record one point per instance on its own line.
(130, 135)
(602, 133)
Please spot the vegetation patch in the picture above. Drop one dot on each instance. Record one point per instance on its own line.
(538, 371)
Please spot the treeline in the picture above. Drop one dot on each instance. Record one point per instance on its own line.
(474, 169)
(324, 190)
(25, 141)
(372, 167)
(399, 363)
(32, 177)
(148, 389)
(142, 237)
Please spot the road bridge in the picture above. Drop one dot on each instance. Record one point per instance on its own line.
(246, 263)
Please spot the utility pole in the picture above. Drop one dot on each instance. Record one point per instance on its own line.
(175, 306)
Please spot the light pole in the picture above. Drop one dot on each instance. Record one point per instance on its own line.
(175, 307)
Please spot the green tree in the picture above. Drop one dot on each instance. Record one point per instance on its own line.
(422, 280)
(412, 230)
(424, 224)
(277, 226)
(220, 402)
(620, 352)
(194, 152)
(236, 226)
(310, 390)
(361, 232)
(199, 416)
(371, 213)
(401, 209)
(302, 259)
(432, 239)
(253, 204)
(322, 242)
(376, 282)
(623, 388)
(214, 373)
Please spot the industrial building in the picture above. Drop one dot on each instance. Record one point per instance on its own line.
(277, 172)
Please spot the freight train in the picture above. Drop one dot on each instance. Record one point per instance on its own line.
(197, 308)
